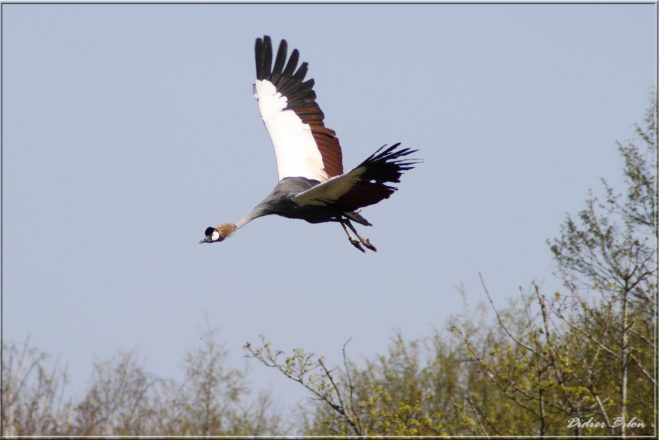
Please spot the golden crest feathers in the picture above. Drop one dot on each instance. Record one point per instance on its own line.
(226, 229)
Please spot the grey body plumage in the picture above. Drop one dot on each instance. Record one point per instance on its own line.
(281, 201)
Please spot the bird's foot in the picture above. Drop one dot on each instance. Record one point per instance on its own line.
(368, 245)
(357, 244)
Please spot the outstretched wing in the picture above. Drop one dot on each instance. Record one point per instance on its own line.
(365, 184)
(303, 145)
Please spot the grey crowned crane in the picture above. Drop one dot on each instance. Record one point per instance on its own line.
(312, 184)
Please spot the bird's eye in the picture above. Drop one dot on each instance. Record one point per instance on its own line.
(209, 230)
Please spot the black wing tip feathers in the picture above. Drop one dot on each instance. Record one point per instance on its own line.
(387, 165)
(394, 155)
(263, 50)
(288, 78)
(284, 72)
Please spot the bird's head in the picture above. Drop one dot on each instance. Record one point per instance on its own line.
(219, 233)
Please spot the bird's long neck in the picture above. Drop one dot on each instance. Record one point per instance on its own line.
(258, 211)
(267, 206)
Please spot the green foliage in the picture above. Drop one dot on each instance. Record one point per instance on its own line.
(392, 395)
(611, 252)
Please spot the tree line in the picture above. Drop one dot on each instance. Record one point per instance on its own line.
(579, 361)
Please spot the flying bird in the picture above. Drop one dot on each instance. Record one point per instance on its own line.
(312, 184)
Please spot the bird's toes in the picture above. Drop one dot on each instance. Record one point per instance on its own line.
(357, 244)
(368, 245)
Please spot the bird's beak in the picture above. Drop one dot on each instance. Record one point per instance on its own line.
(204, 240)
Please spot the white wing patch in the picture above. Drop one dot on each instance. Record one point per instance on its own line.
(330, 190)
(295, 149)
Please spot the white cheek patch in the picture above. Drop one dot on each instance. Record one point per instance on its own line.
(215, 235)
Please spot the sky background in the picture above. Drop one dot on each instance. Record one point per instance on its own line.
(128, 129)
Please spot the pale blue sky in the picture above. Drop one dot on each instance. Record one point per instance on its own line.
(130, 128)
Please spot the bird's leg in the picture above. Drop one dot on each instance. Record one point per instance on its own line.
(364, 241)
(355, 242)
